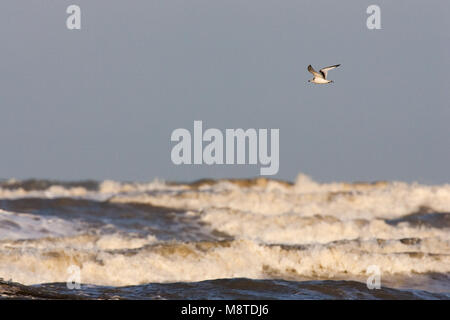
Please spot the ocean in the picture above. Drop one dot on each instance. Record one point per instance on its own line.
(224, 239)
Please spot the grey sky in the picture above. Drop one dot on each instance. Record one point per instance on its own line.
(102, 102)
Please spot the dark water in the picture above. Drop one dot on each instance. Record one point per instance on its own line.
(246, 289)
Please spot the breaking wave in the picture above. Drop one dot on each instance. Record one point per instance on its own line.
(134, 234)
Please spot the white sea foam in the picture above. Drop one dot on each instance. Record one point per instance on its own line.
(106, 189)
(45, 261)
(305, 198)
(14, 225)
(292, 228)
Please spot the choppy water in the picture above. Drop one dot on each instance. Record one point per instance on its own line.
(232, 239)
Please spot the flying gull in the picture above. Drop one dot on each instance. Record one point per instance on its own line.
(321, 76)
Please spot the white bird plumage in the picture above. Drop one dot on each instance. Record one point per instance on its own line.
(321, 76)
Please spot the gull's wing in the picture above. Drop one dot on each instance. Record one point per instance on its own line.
(314, 72)
(325, 70)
